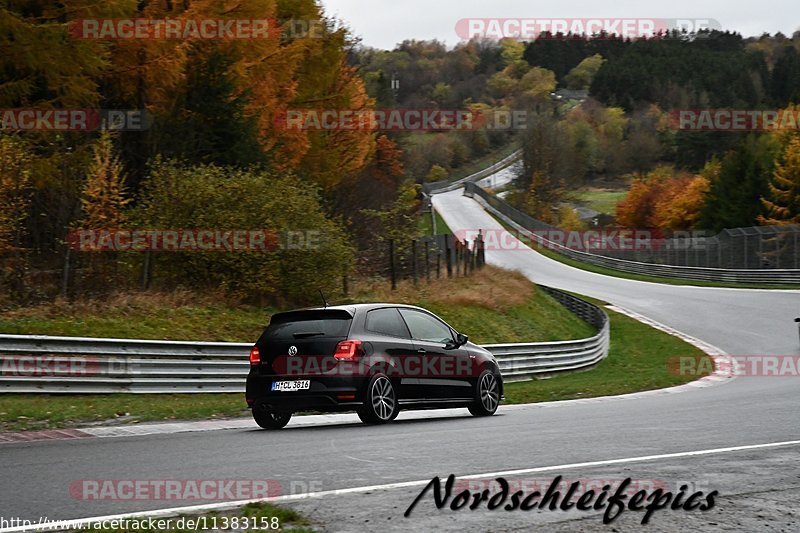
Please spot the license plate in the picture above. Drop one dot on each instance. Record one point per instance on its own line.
(291, 386)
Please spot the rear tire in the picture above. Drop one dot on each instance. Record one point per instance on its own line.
(487, 395)
(268, 419)
(380, 401)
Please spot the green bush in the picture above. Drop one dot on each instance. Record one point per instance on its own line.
(210, 197)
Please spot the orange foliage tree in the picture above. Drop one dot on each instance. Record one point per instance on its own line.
(664, 200)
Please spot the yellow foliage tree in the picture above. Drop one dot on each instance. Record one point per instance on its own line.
(568, 219)
(783, 203)
(678, 207)
(103, 198)
(542, 198)
(666, 200)
(437, 173)
(15, 182)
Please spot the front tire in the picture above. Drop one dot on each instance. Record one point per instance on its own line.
(268, 419)
(487, 395)
(380, 401)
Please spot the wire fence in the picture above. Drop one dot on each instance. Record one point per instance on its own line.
(424, 258)
(750, 248)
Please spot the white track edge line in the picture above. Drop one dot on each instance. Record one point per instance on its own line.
(85, 522)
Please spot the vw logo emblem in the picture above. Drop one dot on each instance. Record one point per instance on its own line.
(292, 350)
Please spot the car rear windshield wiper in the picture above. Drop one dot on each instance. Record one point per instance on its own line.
(303, 334)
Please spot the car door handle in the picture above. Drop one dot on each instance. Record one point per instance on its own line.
(422, 351)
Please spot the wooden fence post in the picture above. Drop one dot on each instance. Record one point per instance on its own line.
(427, 263)
(392, 271)
(414, 261)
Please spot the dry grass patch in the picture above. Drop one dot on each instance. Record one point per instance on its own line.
(490, 288)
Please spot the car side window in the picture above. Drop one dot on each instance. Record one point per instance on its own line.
(425, 327)
(386, 321)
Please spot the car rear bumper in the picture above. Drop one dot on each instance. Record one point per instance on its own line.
(324, 394)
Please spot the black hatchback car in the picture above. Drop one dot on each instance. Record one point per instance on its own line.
(375, 359)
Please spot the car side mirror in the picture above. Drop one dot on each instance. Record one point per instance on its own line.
(461, 339)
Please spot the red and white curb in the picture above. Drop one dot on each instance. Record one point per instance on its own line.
(722, 361)
(48, 434)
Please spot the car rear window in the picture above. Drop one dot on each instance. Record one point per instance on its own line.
(315, 323)
(388, 322)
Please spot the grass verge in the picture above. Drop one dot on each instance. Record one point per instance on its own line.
(173, 316)
(600, 200)
(638, 359)
(426, 224)
(251, 517)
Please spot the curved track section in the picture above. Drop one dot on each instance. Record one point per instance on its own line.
(585, 439)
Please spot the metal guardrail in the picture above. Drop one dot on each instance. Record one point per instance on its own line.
(75, 365)
(437, 187)
(520, 362)
(517, 219)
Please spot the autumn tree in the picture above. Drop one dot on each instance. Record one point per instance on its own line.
(545, 149)
(397, 222)
(680, 203)
(782, 204)
(568, 219)
(638, 208)
(40, 64)
(536, 85)
(103, 198)
(666, 199)
(437, 173)
(375, 186)
(15, 183)
(543, 196)
(582, 75)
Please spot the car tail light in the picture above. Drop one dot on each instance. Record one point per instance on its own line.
(348, 350)
(255, 356)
